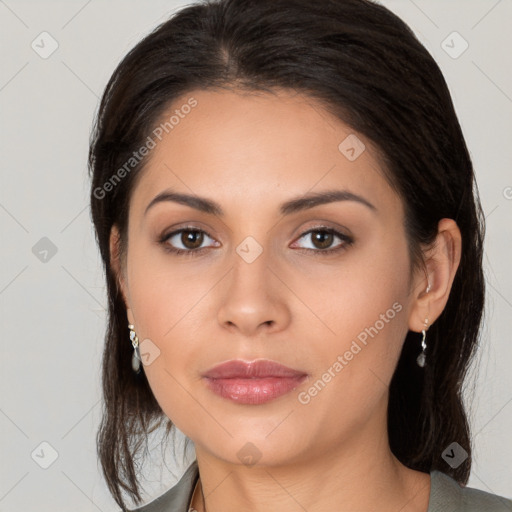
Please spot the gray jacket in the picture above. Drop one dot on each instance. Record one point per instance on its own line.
(446, 495)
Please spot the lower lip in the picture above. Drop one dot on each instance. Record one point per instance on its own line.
(254, 391)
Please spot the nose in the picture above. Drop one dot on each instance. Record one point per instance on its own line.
(254, 298)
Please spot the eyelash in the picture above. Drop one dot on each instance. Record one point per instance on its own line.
(347, 241)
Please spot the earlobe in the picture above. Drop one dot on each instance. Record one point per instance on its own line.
(129, 315)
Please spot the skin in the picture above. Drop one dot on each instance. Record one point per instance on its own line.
(250, 153)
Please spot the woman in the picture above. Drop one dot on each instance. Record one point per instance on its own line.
(286, 210)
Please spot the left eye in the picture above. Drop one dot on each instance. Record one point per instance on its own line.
(323, 238)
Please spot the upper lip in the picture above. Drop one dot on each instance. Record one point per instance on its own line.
(260, 368)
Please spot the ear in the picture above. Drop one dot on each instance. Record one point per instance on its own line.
(442, 262)
(117, 268)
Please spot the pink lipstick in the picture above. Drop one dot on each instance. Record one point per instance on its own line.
(254, 382)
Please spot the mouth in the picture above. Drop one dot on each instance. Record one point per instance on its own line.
(252, 383)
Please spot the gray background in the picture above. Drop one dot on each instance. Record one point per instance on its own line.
(53, 304)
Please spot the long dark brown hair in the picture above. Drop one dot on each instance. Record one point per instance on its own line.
(365, 65)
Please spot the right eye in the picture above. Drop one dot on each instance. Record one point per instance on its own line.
(190, 238)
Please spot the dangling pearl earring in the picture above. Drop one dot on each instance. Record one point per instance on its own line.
(136, 353)
(421, 359)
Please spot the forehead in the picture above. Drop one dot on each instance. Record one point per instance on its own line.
(260, 145)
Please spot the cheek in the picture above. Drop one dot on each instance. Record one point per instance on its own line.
(367, 290)
(175, 349)
(163, 290)
(168, 313)
(365, 305)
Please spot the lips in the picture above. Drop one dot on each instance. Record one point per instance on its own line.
(253, 382)
(248, 370)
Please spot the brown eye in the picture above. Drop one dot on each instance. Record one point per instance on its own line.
(191, 239)
(323, 238)
(185, 241)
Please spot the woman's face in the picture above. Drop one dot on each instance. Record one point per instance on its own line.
(262, 287)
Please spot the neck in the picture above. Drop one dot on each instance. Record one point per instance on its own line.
(361, 474)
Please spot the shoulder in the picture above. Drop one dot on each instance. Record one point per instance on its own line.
(446, 495)
(178, 497)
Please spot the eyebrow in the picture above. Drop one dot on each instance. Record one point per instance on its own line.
(305, 202)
